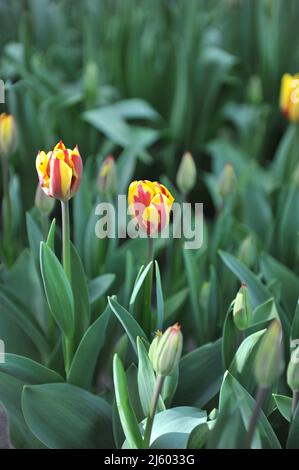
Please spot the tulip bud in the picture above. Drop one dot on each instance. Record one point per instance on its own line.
(165, 351)
(186, 175)
(242, 311)
(44, 203)
(107, 179)
(227, 181)
(247, 252)
(8, 134)
(269, 357)
(293, 372)
(153, 347)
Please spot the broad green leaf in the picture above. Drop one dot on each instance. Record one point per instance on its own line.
(10, 395)
(193, 282)
(293, 438)
(160, 298)
(34, 234)
(173, 303)
(51, 236)
(97, 288)
(264, 313)
(5, 442)
(295, 323)
(63, 416)
(140, 280)
(171, 428)
(284, 405)
(88, 352)
(58, 290)
(80, 294)
(146, 379)
(258, 292)
(169, 387)
(234, 397)
(201, 373)
(129, 324)
(274, 270)
(126, 413)
(28, 371)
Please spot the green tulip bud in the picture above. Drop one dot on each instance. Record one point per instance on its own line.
(247, 252)
(107, 179)
(153, 347)
(242, 310)
(186, 175)
(8, 134)
(227, 181)
(269, 357)
(166, 349)
(293, 371)
(44, 203)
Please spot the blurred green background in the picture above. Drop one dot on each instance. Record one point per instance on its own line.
(206, 71)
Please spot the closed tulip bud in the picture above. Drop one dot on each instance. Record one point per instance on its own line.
(186, 175)
(107, 179)
(43, 203)
(166, 351)
(289, 96)
(153, 347)
(227, 181)
(8, 134)
(269, 357)
(247, 251)
(242, 310)
(149, 204)
(59, 171)
(293, 372)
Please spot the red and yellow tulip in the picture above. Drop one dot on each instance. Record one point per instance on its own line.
(150, 204)
(8, 134)
(289, 96)
(59, 171)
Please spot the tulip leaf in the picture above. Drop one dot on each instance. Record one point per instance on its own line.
(201, 373)
(140, 280)
(295, 323)
(126, 413)
(130, 325)
(34, 234)
(80, 294)
(97, 288)
(293, 438)
(160, 298)
(284, 405)
(258, 291)
(5, 442)
(230, 338)
(88, 352)
(58, 290)
(27, 370)
(51, 235)
(146, 379)
(85, 419)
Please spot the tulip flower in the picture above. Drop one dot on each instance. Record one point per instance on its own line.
(289, 96)
(8, 134)
(165, 350)
(242, 311)
(107, 178)
(227, 181)
(59, 171)
(150, 204)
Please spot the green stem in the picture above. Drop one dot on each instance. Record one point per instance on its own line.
(66, 253)
(295, 401)
(259, 400)
(148, 290)
(66, 261)
(153, 406)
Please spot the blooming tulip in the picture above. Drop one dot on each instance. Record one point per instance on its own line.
(59, 171)
(150, 204)
(289, 96)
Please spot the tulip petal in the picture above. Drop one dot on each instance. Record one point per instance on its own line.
(60, 178)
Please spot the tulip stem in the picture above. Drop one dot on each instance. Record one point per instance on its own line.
(295, 401)
(153, 406)
(150, 250)
(66, 253)
(259, 400)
